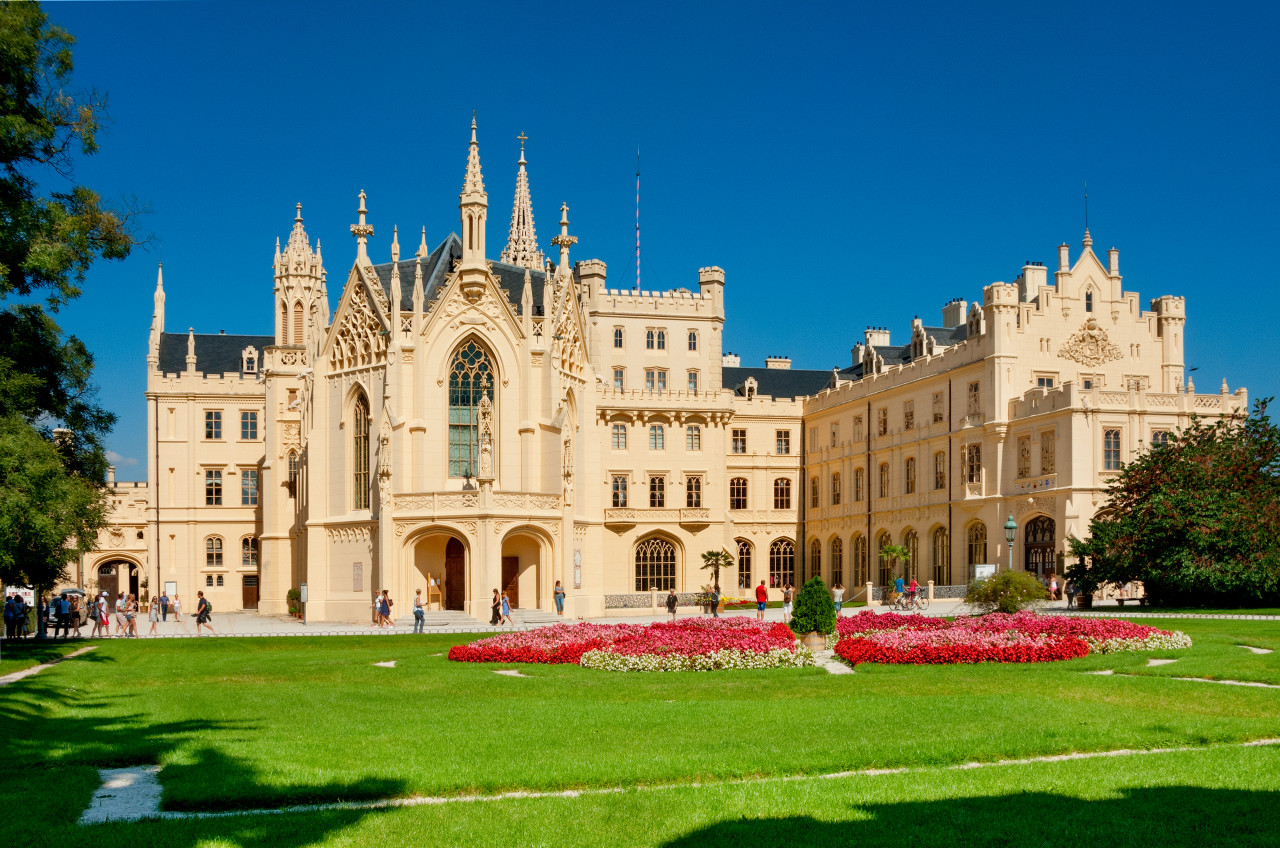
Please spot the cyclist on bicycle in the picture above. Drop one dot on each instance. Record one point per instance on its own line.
(899, 586)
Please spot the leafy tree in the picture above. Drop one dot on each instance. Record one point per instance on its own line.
(47, 243)
(814, 610)
(1196, 520)
(1006, 591)
(716, 560)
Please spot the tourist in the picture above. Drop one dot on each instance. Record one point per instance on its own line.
(177, 607)
(837, 597)
(762, 600)
(899, 586)
(1071, 594)
(384, 608)
(131, 616)
(9, 616)
(1053, 588)
(419, 617)
(204, 612)
(506, 610)
(559, 593)
(153, 613)
(913, 589)
(495, 608)
(164, 606)
(715, 601)
(672, 601)
(788, 592)
(76, 607)
(62, 616)
(120, 620)
(99, 613)
(19, 617)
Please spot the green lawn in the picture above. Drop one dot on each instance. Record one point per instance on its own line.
(1132, 608)
(18, 654)
(253, 723)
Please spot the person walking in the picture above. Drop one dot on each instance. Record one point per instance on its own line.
(384, 608)
(164, 606)
(177, 607)
(672, 601)
(99, 613)
(1053, 588)
(559, 593)
(788, 592)
(204, 612)
(762, 600)
(76, 606)
(715, 601)
(495, 608)
(419, 615)
(1071, 594)
(131, 616)
(9, 613)
(506, 610)
(153, 613)
(837, 597)
(121, 630)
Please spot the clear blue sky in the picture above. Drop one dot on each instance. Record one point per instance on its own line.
(847, 165)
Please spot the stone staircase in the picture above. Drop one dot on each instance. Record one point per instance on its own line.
(437, 620)
(536, 618)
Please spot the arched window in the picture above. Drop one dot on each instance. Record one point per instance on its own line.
(859, 559)
(1088, 301)
(885, 565)
(213, 552)
(782, 493)
(911, 475)
(782, 563)
(977, 541)
(815, 557)
(835, 489)
(293, 473)
(738, 493)
(360, 452)
(655, 565)
(1111, 450)
(744, 564)
(297, 323)
(249, 552)
(858, 480)
(470, 379)
(941, 557)
(911, 541)
(284, 323)
(617, 337)
(837, 561)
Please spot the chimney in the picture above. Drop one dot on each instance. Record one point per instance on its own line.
(953, 313)
(1064, 257)
(1113, 257)
(1034, 277)
(877, 336)
(782, 363)
(111, 475)
(730, 360)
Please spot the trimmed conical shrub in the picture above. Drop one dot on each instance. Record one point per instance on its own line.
(814, 609)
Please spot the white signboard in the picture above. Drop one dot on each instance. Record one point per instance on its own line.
(983, 570)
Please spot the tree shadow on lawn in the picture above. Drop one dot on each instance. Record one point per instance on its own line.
(1165, 816)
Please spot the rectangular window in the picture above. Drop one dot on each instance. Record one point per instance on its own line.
(657, 492)
(618, 437)
(975, 398)
(835, 489)
(657, 437)
(739, 441)
(938, 405)
(662, 340)
(738, 493)
(212, 424)
(1086, 383)
(940, 470)
(813, 438)
(858, 435)
(973, 463)
(1024, 457)
(857, 484)
(835, 434)
(1111, 450)
(909, 415)
(619, 379)
(648, 340)
(910, 473)
(815, 499)
(782, 493)
(693, 437)
(782, 440)
(693, 382)
(617, 337)
(1045, 381)
(248, 487)
(693, 492)
(650, 380)
(884, 480)
(662, 381)
(249, 426)
(882, 422)
(1047, 440)
(212, 487)
(693, 340)
(619, 490)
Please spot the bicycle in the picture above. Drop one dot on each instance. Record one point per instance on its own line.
(909, 601)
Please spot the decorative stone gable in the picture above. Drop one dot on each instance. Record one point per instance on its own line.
(358, 341)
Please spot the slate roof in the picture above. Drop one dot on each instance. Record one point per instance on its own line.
(439, 264)
(901, 354)
(777, 382)
(216, 354)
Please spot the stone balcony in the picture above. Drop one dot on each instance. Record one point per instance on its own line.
(623, 518)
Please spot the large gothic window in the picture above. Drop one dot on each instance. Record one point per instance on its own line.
(782, 563)
(470, 378)
(360, 453)
(744, 564)
(655, 565)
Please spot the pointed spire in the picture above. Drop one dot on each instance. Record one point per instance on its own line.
(564, 240)
(522, 242)
(277, 251)
(473, 206)
(526, 295)
(417, 286)
(361, 231)
(395, 244)
(423, 252)
(298, 236)
(191, 350)
(158, 314)
(473, 181)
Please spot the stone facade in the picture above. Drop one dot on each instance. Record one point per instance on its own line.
(459, 424)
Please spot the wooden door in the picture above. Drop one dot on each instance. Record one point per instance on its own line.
(109, 580)
(249, 592)
(511, 579)
(455, 576)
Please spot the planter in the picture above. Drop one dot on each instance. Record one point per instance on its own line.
(814, 641)
(1085, 602)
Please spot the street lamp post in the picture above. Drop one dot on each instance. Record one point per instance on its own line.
(1010, 533)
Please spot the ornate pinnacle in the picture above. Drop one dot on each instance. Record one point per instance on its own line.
(564, 239)
(522, 240)
(361, 230)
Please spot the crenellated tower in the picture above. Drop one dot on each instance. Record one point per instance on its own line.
(302, 306)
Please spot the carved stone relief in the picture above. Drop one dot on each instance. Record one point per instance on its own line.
(1091, 346)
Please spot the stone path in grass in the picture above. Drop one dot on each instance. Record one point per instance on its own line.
(1255, 650)
(36, 669)
(827, 660)
(134, 794)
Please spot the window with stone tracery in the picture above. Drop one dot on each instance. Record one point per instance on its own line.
(470, 379)
(1024, 457)
(360, 453)
(1046, 452)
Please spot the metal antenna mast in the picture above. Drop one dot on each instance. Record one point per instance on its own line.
(637, 219)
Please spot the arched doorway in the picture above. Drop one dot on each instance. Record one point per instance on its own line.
(118, 575)
(1040, 557)
(439, 569)
(523, 555)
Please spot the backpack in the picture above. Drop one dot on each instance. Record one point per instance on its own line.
(208, 607)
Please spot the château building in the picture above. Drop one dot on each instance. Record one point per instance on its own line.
(459, 424)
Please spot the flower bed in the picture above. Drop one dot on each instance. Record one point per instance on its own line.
(690, 644)
(997, 637)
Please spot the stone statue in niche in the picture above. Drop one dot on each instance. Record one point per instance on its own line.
(486, 432)
(568, 472)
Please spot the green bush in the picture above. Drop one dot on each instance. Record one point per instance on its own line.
(1007, 591)
(814, 609)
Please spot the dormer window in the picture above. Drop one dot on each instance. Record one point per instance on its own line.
(249, 361)
(1088, 301)
(750, 387)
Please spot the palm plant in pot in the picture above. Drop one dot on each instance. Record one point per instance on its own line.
(814, 615)
(716, 560)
